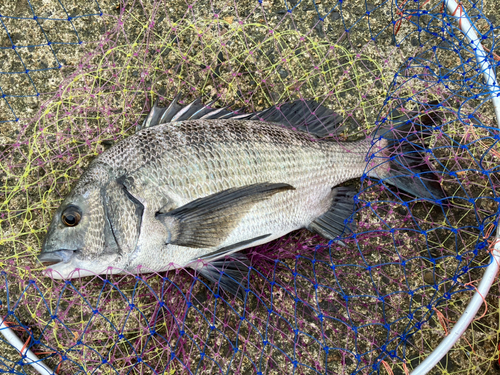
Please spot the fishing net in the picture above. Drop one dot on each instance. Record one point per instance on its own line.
(76, 77)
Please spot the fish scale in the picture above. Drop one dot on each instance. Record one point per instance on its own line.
(267, 154)
(189, 192)
(191, 167)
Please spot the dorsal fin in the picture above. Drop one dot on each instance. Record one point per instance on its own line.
(153, 117)
(304, 115)
(308, 116)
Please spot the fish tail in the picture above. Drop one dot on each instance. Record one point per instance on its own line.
(405, 156)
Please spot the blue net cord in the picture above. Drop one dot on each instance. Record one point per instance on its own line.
(308, 307)
(34, 18)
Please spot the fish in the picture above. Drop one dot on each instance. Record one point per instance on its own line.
(196, 184)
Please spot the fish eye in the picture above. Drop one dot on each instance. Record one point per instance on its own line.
(71, 216)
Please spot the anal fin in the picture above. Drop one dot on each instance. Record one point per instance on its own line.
(333, 223)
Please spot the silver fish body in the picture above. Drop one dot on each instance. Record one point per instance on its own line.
(130, 200)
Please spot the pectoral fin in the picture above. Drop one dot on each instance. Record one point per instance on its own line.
(124, 214)
(206, 222)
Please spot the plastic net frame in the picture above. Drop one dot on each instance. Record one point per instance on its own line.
(378, 305)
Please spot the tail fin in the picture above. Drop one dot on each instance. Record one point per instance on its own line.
(403, 148)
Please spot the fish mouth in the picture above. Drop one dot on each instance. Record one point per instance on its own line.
(55, 257)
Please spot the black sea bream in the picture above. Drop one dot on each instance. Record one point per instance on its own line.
(197, 183)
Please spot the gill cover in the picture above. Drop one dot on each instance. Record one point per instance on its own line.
(124, 214)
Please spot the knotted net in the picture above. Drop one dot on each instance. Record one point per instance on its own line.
(75, 77)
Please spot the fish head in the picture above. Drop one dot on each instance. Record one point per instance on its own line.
(79, 241)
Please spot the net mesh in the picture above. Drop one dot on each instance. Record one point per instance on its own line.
(380, 304)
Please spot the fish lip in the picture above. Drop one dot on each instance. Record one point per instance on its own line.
(51, 258)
